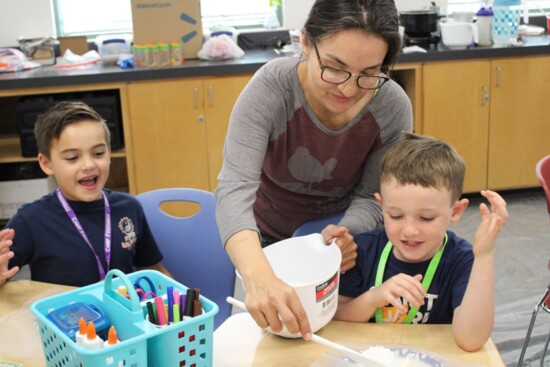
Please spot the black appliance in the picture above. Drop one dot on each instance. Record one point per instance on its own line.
(420, 27)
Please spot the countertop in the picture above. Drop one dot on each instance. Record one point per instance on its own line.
(48, 76)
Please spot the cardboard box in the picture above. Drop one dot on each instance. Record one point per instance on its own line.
(77, 44)
(168, 21)
(13, 194)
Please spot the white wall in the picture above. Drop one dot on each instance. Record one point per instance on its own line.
(17, 20)
(29, 18)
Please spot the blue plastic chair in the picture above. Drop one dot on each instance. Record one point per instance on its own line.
(192, 247)
(317, 225)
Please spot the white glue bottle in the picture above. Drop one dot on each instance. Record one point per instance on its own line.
(92, 341)
(112, 338)
(82, 332)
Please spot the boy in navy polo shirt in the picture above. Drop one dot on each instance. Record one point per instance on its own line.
(414, 270)
(76, 234)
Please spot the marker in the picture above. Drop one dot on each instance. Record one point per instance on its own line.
(190, 297)
(170, 298)
(92, 341)
(112, 338)
(161, 315)
(183, 302)
(197, 307)
(151, 313)
(176, 311)
(82, 331)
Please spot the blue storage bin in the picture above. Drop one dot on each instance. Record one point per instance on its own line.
(186, 343)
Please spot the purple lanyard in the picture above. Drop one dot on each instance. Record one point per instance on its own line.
(72, 216)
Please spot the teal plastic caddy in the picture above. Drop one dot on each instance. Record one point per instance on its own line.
(186, 343)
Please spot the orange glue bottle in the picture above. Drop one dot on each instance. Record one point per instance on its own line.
(82, 332)
(92, 341)
(112, 338)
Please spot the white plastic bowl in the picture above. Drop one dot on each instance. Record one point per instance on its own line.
(311, 267)
(458, 34)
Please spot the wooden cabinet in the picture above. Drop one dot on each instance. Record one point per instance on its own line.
(178, 130)
(456, 111)
(495, 113)
(520, 121)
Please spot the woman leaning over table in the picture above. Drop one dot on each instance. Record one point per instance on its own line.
(305, 140)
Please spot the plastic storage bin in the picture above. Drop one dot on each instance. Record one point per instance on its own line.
(186, 343)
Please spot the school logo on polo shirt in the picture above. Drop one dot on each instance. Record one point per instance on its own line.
(127, 227)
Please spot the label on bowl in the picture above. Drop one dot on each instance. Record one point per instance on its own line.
(326, 295)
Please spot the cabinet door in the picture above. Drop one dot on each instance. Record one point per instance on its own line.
(220, 96)
(168, 135)
(456, 111)
(520, 120)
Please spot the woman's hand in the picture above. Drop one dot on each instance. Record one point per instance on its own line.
(344, 240)
(271, 302)
(6, 240)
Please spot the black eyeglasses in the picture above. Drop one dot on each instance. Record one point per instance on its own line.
(339, 76)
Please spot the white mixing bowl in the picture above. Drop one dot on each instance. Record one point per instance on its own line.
(311, 267)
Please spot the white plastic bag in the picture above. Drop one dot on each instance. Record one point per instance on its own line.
(220, 47)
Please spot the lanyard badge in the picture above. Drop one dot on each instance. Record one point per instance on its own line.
(107, 236)
(426, 280)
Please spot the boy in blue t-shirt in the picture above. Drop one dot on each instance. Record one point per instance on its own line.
(414, 270)
(76, 234)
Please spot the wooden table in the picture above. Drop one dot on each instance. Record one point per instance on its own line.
(19, 338)
(239, 342)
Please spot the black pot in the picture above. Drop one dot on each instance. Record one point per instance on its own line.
(419, 23)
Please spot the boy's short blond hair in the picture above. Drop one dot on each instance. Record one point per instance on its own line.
(425, 161)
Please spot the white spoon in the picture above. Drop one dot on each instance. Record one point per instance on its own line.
(357, 357)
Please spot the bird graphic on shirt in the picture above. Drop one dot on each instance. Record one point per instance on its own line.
(306, 168)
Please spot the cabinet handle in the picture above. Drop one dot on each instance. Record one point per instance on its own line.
(200, 118)
(211, 95)
(498, 76)
(196, 95)
(485, 96)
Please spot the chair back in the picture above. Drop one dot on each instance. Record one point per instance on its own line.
(317, 225)
(542, 171)
(192, 247)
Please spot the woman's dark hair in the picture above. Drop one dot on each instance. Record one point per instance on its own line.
(379, 17)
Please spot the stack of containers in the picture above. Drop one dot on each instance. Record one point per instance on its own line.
(158, 55)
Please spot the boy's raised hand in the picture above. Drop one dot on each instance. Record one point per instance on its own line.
(6, 240)
(400, 286)
(492, 222)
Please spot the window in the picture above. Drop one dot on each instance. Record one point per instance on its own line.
(474, 5)
(93, 17)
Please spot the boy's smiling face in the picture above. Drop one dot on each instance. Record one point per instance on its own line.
(79, 161)
(416, 218)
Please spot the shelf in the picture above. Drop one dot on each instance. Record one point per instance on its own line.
(10, 151)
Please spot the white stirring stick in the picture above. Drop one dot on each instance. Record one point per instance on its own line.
(358, 357)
